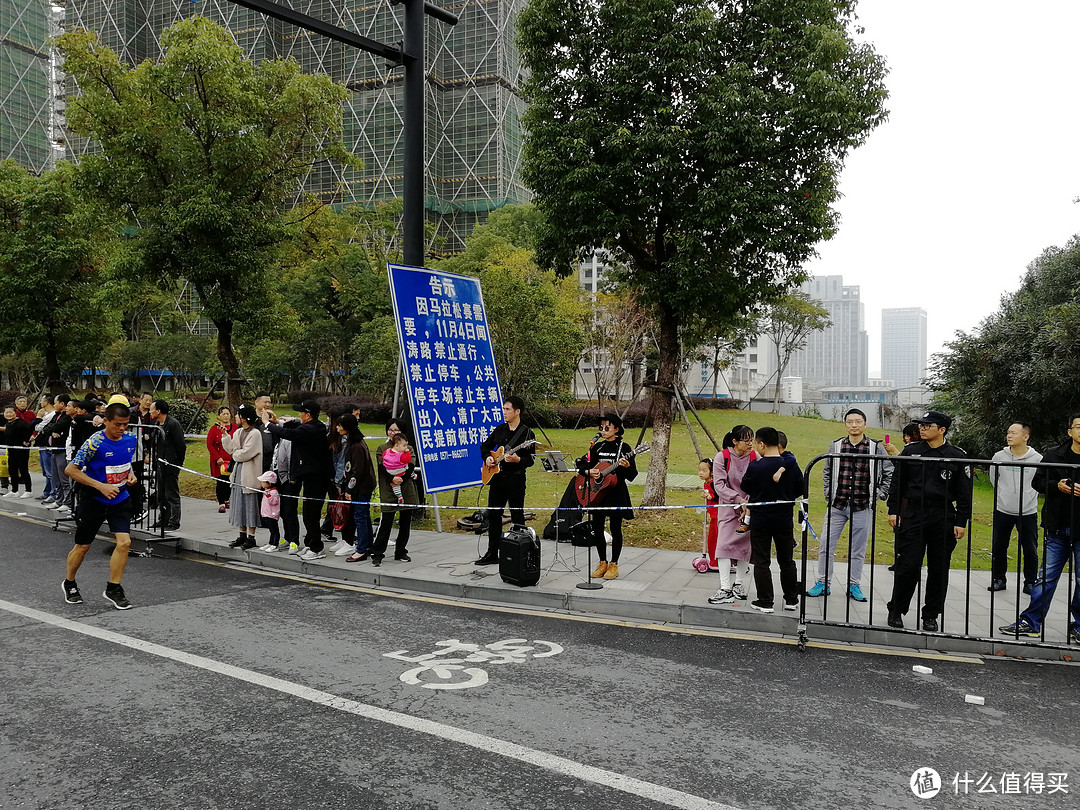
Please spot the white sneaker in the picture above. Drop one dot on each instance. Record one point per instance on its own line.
(345, 551)
(310, 555)
(337, 547)
(47, 501)
(26, 496)
(10, 495)
(722, 597)
(268, 548)
(53, 505)
(294, 549)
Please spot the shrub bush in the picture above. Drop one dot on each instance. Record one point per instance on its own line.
(372, 410)
(190, 415)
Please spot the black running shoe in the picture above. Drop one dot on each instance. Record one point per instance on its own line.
(71, 593)
(115, 594)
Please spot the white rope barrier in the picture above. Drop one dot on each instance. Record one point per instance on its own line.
(526, 508)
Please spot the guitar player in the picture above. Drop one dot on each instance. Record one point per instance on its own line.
(509, 484)
(610, 450)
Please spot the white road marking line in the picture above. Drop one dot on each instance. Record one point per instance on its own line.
(531, 756)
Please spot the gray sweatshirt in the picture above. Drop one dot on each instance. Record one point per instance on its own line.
(1013, 484)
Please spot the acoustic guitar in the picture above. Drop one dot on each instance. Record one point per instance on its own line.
(592, 492)
(488, 471)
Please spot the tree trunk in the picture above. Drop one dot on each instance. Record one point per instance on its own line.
(661, 410)
(53, 382)
(229, 364)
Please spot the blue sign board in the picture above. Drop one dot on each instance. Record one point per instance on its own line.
(449, 370)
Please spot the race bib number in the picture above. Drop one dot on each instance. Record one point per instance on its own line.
(117, 473)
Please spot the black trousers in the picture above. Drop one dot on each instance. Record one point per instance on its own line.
(615, 522)
(763, 538)
(504, 489)
(137, 491)
(19, 469)
(382, 537)
(222, 489)
(314, 498)
(290, 511)
(923, 531)
(169, 497)
(1027, 530)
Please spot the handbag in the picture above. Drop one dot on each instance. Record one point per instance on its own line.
(3, 463)
(339, 514)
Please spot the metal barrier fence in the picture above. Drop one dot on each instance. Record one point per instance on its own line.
(965, 602)
(147, 512)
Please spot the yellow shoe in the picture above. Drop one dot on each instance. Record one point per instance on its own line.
(612, 571)
(601, 567)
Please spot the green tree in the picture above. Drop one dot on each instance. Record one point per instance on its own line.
(335, 282)
(534, 316)
(1020, 364)
(204, 149)
(789, 322)
(700, 142)
(53, 252)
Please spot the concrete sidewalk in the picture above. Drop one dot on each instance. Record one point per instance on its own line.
(654, 586)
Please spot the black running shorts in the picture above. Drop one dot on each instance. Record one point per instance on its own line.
(92, 513)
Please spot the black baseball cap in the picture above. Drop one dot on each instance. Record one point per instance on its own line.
(311, 407)
(934, 418)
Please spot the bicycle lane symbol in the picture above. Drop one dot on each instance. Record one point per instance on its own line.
(448, 666)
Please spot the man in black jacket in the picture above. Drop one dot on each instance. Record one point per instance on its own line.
(508, 485)
(170, 449)
(1061, 524)
(929, 506)
(312, 465)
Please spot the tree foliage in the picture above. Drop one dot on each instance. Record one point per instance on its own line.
(53, 251)
(1020, 364)
(700, 142)
(535, 317)
(790, 321)
(334, 282)
(203, 149)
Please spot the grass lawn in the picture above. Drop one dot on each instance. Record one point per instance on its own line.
(677, 529)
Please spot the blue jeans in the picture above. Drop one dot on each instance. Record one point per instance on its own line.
(1058, 548)
(362, 521)
(45, 459)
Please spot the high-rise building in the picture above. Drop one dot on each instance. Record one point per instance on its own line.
(28, 93)
(839, 354)
(473, 105)
(903, 346)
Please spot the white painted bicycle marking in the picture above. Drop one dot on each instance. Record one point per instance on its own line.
(452, 673)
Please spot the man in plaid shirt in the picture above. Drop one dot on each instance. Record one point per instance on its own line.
(851, 482)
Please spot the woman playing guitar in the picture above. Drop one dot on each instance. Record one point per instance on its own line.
(611, 452)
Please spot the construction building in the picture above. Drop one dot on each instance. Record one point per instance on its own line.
(473, 106)
(31, 98)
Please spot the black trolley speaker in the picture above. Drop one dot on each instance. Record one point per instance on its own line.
(519, 556)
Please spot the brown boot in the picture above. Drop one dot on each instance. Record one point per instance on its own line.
(612, 571)
(601, 567)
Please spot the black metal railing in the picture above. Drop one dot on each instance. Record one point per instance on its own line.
(963, 599)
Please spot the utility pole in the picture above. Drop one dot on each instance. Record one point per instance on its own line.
(409, 53)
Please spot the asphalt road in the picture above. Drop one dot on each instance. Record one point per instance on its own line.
(226, 688)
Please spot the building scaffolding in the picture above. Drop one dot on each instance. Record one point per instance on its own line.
(473, 103)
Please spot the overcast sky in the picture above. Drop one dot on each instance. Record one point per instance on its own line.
(976, 170)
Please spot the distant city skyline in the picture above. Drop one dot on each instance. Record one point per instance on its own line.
(974, 174)
(903, 346)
